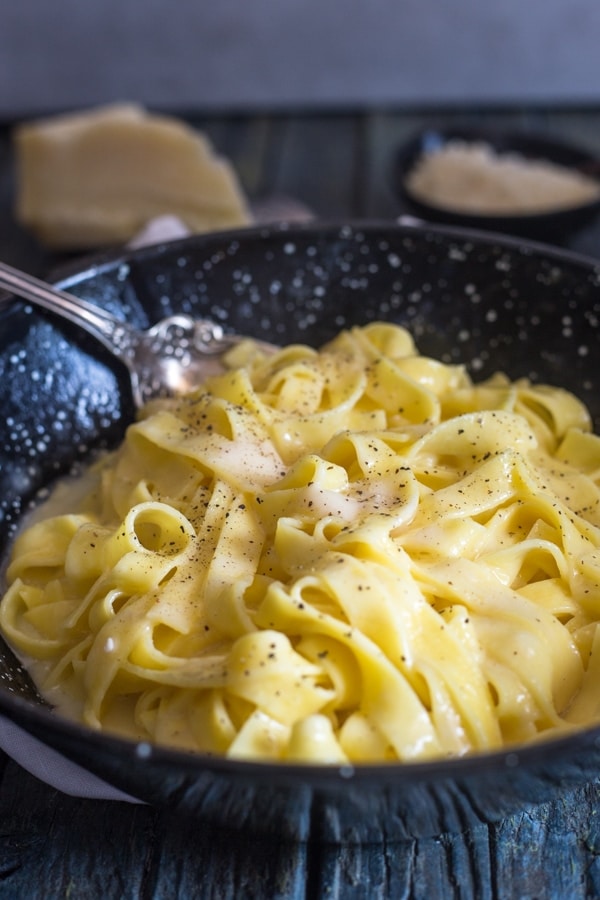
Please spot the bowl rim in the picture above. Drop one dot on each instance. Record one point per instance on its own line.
(73, 272)
(39, 720)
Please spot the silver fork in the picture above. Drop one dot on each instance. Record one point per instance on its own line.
(169, 358)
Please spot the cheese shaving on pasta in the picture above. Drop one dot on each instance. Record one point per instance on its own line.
(351, 555)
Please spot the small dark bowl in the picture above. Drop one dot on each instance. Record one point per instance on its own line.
(550, 225)
(492, 303)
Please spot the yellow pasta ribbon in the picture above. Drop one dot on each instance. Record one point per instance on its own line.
(344, 556)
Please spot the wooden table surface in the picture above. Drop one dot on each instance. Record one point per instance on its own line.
(54, 846)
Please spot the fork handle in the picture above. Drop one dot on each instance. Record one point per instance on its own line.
(117, 336)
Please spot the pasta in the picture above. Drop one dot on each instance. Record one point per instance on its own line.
(350, 555)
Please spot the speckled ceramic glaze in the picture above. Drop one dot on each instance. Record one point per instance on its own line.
(490, 303)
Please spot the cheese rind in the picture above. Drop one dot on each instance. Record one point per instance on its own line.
(97, 177)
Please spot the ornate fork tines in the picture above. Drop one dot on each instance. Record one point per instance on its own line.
(169, 358)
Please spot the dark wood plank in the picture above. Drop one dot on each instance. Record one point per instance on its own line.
(384, 134)
(550, 852)
(195, 861)
(246, 142)
(580, 127)
(90, 849)
(59, 845)
(97, 849)
(315, 159)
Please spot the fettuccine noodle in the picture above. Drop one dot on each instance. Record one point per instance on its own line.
(350, 555)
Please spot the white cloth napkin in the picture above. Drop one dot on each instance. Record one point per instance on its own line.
(34, 756)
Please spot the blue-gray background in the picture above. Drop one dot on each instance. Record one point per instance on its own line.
(252, 54)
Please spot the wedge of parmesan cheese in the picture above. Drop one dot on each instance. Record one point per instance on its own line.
(93, 178)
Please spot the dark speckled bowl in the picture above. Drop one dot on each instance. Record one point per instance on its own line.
(490, 302)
